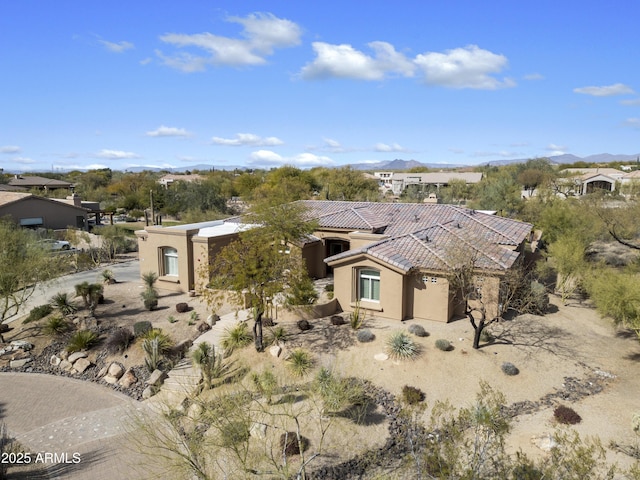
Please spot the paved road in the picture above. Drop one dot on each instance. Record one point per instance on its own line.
(64, 416)
(128, 271)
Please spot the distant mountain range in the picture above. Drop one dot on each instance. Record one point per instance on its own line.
(399, 164)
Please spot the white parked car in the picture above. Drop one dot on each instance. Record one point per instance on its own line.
(51, 244)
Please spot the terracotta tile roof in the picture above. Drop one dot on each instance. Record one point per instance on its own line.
(423, 236)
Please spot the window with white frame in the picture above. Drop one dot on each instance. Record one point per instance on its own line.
(369, 285)
(170, 262)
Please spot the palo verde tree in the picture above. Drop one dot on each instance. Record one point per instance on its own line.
(262, 263)
(25, 266)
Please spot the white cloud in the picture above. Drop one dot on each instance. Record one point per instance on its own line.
(606, 91)
(632, 102)
(247, 139)
(117, 47)
(344, 61)
(554, 149)
(263, 33)
(534, 76)
(116, 154)
(163, 131)
(91, 166)
(468, 67)
(632, 122)
(456, 150)
(146, 61)
(10, 149)
(383, 147)
(151, 165)
(23, 160)
(269, 158)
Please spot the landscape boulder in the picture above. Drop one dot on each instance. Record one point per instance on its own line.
(115, 370)
(156, 378)
(55, 360)
(76, 356)
(275, 350)
(203, 327)
(81, 365)
(20, 363)
(128, 379)
(22, 345)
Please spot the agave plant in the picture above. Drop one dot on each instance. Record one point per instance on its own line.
(299, 362)
(62, 302)
(401, 346)
(210, 363)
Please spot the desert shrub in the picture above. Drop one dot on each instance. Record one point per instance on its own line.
(290, 445)
(237, 336)
(356, 318)
(267, 322)
(153, 357)
(140, 328)
(302, 292)
(265, 383)
(365, 335)
(165, 344)
(278, 335)
(233, 433)
(38, 312)
(485, 336)
(55, 326)
(299, 362)
(412, 395)
(150, 298)
(108, 277)
(329, 289)
(304, 325)
(119, 340)
(182, 307)
(509, 369)
(62, 302)
(82, 340)
(172, 319)
(442, 344)
(418, 330)
(566, 415)
(337, 320)
(539, 298)
(401, 346)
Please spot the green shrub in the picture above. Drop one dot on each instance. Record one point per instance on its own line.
(38, 313)
(401, 346)
(265, 383)
(172, 319)
(236, 337)
(82, 340)
(119, 340)
(278, 335)
(418, 330)
(140, 328)
(165, 344)
(299, 362)
(365, 335)
(442, 344)
(149, 298)
(62, 302)
(233, 433)
(539, 298)
(509, 369)
(412, 395)
(566, 415)
(302, 292)
(485, 336)
(356, 318)
(108, 276)
(55, 326)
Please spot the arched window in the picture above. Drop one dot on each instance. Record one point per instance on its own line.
(169, 262)
(369, 285)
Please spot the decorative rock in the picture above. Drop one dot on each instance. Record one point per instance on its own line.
(55, 360)
(89, 323)
(4, 327)
(63, 354)
(65, 365)
(110, 380)
(213, 319)
(381, 357)
(128, 379)
(76, 356)
(148, 392)
(156, 378)
(102, 372)
(194, 411)
(20, 363)
(182, 347)
(203, 327)
(81, 365)
(275, 350)
(22, 344)
(19, 355)
(544, 442)
(258, 430)
(115, 370)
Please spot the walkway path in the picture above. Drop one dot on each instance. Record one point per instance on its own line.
(64, 416)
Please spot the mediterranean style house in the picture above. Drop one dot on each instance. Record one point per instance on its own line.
(391, 259)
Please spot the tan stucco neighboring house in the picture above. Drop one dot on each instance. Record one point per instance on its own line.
(167, 180)
(41, 183)
(581, 181)
(390, 259)
(33, 211)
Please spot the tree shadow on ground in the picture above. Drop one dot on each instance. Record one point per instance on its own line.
(530, 334)
(325, 337)
(364, 414)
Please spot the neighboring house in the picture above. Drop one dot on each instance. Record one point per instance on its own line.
(167, 180)
(40, 183)
(581, 181)
(392, 260)
(33, 211)
(94, 212)
(400, 181)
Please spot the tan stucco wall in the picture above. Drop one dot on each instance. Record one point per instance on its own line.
(360, 239)
(426, 300)
(313, 256)
(55, 215)
(391, 303)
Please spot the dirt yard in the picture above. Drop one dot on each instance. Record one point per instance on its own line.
(571, 356)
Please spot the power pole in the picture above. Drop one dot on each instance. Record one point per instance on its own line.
(153, 215)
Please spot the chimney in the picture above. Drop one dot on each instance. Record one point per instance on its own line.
(77, 201)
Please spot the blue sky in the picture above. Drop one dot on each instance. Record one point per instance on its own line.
(239, 83)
